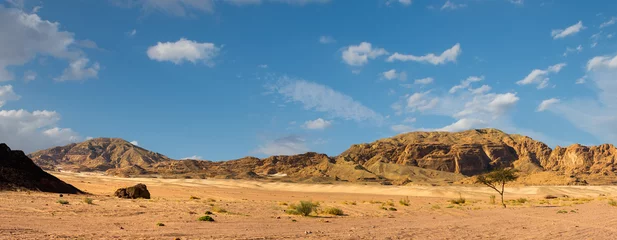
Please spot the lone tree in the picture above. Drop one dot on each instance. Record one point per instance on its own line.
(496, 178)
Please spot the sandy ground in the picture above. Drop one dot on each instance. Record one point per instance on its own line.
(255, 210)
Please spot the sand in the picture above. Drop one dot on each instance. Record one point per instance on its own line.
(255, 210)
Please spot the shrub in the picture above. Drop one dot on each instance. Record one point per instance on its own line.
(88, 200)
(492, 199)
(459, 200)
(63, 202)
(194, 198)
(160, 224)
(521, 200)
(435, 207)
(392, 209)
(305, 208)
(333, 211)
(206, 219)
(612, 203)
(404, 201)
(562, 211)
(389, 203)
(218, 209)
(208, 213)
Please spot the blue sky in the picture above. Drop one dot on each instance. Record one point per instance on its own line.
(219, 80)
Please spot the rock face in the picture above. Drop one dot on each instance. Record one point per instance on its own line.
(99, 154)
(17, 171)
(134, 192)
(409, 157)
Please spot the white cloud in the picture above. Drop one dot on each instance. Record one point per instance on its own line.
(492, 105)
(405, 2)
(317, 124)
(170, 7)
(263, 66)
(424, 81)
(194, 157)
(409, 120)
(562, 33)
(89, 138)
(29, 76)
(292, 2)
(314, 96)
(466, 83)
(30, 131)
(581, 80)
(601, 62)
(596, 115)
(452, 6)
(358, 55)
(392, 74)
(132, 33)
(7, 94)
(517, 2)
(288, 145)
(449, 55)
(400, 128)
(326, 39)
(79, 70)
(540, 76)
(421, 101)
(32, 36)
(578, 49)
(481, 90)
(546, 104)
(134, 142)
(183, 50)
(609, 22)
(464, 124)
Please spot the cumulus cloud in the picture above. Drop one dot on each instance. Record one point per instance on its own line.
(421, 101)
(463, 124)
(321, 98)
(481, 90)
(183, 50)
(571, 30)
(601, 62)
(194, 157)
(393, 74)
(30, 131)
(134, 142)
(424, 81)
(581, 80)
(358, 55)
(466, 83)
(170, 7)
(79, 70)
(540, 76)
(326, 40)
(288, 145)
(449, 5)
(7, 94)
(32, 36)
(448, 55)
(292, 2)
(546, 104)
(317, 124)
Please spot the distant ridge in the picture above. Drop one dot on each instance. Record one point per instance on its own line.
(414, 157)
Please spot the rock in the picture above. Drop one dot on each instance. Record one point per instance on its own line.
(17, 172)
(137, 191)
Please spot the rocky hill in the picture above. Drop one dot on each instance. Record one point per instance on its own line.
(98, 154)
(418, 157)
(17, 171)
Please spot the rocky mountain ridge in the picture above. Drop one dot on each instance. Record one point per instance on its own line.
(410, 157)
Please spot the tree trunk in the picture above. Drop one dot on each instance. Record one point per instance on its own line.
(502, 203)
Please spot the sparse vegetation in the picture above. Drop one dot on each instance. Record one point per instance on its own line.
(450, 206)
(521, 200)
(492, 199)
(218, 209)
(350, 203)
(208, 213)
(160, 224)
(392, 209)
(404, 201)
(458, 201)
(435, 207)
(87, 200)
(282, 203)
(496, 178)
(206, 219)
(304, 208)
(211, 200)
(333, 211)
(612, 202)
(194, 198)
(63, 202)
(562, 211)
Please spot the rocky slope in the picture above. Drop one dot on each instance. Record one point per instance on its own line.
(17, 171)
(419, 157)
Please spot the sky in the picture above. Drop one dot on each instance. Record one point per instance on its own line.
(224, 79)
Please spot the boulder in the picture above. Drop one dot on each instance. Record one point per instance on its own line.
(134, 192)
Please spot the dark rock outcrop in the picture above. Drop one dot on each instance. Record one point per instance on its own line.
(134, 192)
(17, 171)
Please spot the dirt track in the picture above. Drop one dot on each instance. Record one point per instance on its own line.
(255, 210)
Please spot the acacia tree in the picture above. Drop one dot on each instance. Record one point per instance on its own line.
(496, 178)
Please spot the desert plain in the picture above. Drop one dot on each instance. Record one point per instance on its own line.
(244, 209)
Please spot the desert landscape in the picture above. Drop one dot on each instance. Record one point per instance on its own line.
(256, 210)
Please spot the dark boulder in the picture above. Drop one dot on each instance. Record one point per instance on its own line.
(137, 191)
(17, 171)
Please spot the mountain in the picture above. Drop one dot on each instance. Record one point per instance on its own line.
(17, 171)
(418, 157)
(98, 154)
